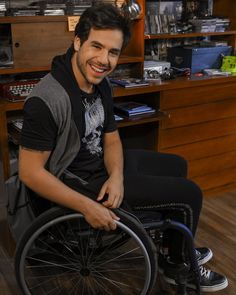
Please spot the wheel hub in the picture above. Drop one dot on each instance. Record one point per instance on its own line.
(85, 272)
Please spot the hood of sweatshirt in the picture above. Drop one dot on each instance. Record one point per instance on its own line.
(62, 71)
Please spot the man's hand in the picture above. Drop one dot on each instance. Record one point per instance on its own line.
(100, 217)
(114, 188)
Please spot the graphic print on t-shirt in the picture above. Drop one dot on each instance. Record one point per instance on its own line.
(94, 121)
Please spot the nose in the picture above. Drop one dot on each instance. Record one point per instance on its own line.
(104, 57)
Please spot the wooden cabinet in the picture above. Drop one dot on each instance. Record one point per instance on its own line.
(202, 118)
(36, 44)
(202, 128)
(37, 39)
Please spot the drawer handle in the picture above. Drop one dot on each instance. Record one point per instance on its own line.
(17, 44)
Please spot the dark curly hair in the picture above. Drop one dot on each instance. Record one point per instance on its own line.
(103, 16)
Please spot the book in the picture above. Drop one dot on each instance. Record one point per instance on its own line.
(131, 108)
(130, 105)
(128, 83)
(151, 111)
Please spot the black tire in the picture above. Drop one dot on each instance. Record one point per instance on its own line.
(61, 254)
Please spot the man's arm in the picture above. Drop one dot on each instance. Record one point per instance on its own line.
(33, 173)
(113, 159)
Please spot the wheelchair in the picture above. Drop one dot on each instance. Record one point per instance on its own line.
(60, 253)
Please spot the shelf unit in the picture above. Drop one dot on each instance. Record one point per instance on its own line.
(221, 8)
(30, 31)
(37, 39)
(149, 131)
(189, 35)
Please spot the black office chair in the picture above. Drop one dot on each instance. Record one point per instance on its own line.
(60, 253)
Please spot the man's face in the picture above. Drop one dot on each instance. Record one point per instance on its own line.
(97, 56)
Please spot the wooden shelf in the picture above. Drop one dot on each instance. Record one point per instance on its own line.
(142, 119)
(43, 18)
(10, 106)
(8, 71)
(130, 59)
(188, 35)
(33, 19)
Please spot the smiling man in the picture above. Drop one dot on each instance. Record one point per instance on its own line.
(69, 134)
(96, 57)
(71, 153)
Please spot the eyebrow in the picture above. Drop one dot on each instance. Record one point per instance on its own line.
(115, 50)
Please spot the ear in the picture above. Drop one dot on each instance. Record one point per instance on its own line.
(76, 43)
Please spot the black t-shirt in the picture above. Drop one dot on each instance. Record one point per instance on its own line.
(39, 131)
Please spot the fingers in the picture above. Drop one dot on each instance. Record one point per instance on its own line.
(114, 216)
(102, 218)
(111, 225)
(111, 194)
(114, 201)
(101, 193)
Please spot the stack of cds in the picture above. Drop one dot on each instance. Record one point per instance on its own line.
(2, 8)
(54, 9)
(26, 12)
(204, 25)
(77, 9)
(22, 8)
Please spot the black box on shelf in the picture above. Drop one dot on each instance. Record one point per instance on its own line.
(197, 58)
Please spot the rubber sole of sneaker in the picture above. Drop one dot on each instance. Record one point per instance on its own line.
(206, 259)
(203, 288)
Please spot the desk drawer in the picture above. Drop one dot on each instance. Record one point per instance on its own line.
(200, 113)
(177, 98)
(196, 133)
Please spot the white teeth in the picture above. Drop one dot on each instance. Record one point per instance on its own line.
(97, 70)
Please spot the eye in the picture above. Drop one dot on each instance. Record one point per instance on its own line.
(96, 46)
(114, 53)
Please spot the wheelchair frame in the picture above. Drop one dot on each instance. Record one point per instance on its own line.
(60, 253)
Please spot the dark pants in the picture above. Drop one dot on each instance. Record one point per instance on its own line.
(156, 182)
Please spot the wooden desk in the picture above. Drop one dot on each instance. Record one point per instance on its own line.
(197, 120)
(200, 125)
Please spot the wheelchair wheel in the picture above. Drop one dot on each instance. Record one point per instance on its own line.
(62, 254)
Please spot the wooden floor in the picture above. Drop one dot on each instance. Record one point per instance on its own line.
(217, 230)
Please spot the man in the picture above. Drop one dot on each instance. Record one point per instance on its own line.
(71, 141)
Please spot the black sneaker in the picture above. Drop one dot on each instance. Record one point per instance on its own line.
(210, 281)
(203, 255)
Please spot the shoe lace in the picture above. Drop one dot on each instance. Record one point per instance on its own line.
(198, 254)
(204, 272)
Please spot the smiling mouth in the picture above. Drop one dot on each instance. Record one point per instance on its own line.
(99, 70)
